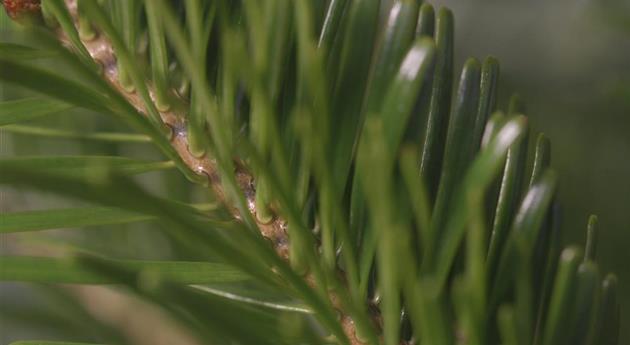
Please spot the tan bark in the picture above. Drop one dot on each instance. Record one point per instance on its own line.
(101, 50)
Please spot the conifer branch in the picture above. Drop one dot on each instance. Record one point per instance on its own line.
(101, 50)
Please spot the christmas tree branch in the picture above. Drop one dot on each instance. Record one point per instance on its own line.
(101, 50)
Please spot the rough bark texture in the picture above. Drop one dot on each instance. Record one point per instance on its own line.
(19, 8)
(101, 50)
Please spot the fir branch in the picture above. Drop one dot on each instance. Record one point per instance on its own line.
(337, 138)
(101, 50)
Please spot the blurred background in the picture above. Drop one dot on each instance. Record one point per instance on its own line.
(569, 60)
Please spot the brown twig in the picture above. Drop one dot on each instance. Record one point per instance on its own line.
(101, 50)
(19, 8)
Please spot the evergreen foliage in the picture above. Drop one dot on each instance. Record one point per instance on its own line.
(406, 208)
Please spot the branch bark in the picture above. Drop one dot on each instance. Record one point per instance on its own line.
(101, 50)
